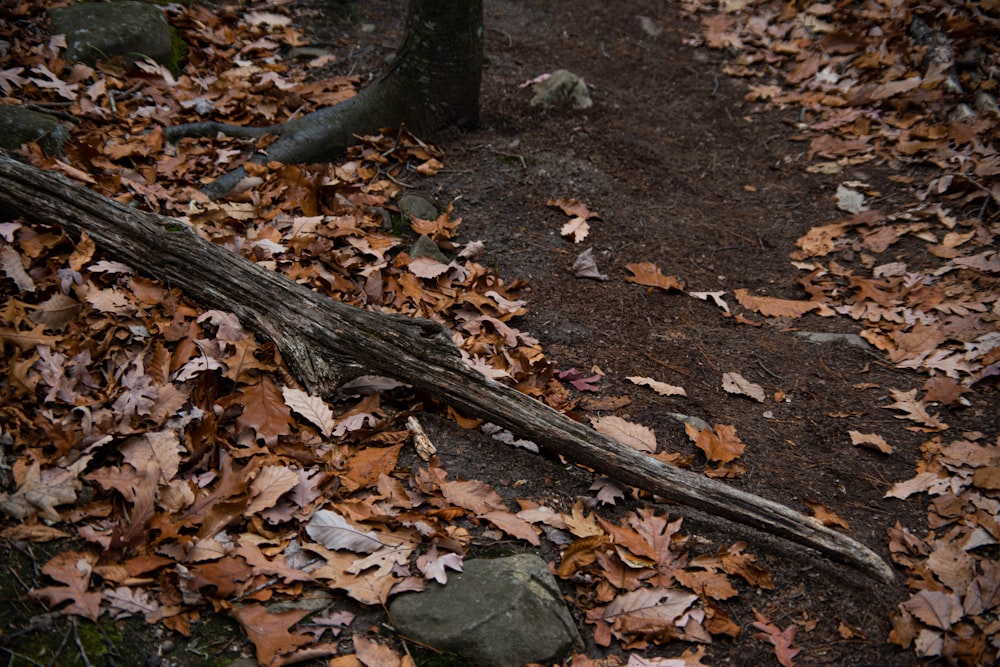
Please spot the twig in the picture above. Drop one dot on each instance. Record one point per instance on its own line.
(79, 644)
(768, 371)
(18, 656)
(60, 648)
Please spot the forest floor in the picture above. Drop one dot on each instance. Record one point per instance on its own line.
(686, 170)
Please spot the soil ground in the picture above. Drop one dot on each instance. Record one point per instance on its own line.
(686, 174)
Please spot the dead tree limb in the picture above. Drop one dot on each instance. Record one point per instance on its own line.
(325, 341)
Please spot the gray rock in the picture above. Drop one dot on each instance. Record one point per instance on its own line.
(425, 246)
(19, 126)
(503, 612)
(99, 30)
(560, 86)
(413, 206)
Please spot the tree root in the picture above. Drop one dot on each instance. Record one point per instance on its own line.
(433, 82)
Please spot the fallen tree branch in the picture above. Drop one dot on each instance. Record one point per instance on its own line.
(325, 342)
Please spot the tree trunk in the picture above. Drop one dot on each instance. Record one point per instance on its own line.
(432, 82)
(325, 341)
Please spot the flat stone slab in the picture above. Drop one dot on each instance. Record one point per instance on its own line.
(502, 612)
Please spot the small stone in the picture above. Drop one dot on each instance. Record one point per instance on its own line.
(413, 206)
(561, 85)
(425, 246)
(504, 612)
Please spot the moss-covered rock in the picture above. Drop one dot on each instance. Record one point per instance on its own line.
(19, 126)
(133, 30)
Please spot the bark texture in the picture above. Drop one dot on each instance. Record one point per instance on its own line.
(325, 341)
(433, 82)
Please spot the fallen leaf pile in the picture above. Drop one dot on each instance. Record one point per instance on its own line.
(953, 569)
(640, 586)
(909, 85)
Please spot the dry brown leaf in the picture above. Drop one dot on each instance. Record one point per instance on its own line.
(871, 441)
(826, 517)
(915, 410)
(780, 639)
(270, 633)
(647, 273)
(734, 383)
(581, 524)
(628, 433)
(773, 307)
(661, 388)
(721, 444)
(577, 228)
(313, 408)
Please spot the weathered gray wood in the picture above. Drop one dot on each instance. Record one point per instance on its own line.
(325, 341)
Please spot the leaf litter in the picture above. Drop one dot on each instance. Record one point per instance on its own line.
(197, 395)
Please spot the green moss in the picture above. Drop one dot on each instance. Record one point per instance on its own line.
(33, 635)
(425, 658)
(178, 52)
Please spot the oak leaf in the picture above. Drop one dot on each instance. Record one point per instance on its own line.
(628, 433)
(434, 565)
(780, 639)
(915, 410)
(721, 444)
(264, 411)
(270, 633)
(773, 307)
(73, 569)
(334, 532)
(647, 273)
(580, 524)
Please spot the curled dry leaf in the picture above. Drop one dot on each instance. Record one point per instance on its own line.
(773, 307)
(734, 383)
(871, 441)
(647, 273)
(825, 516)
(661, 388)
(586, 267)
